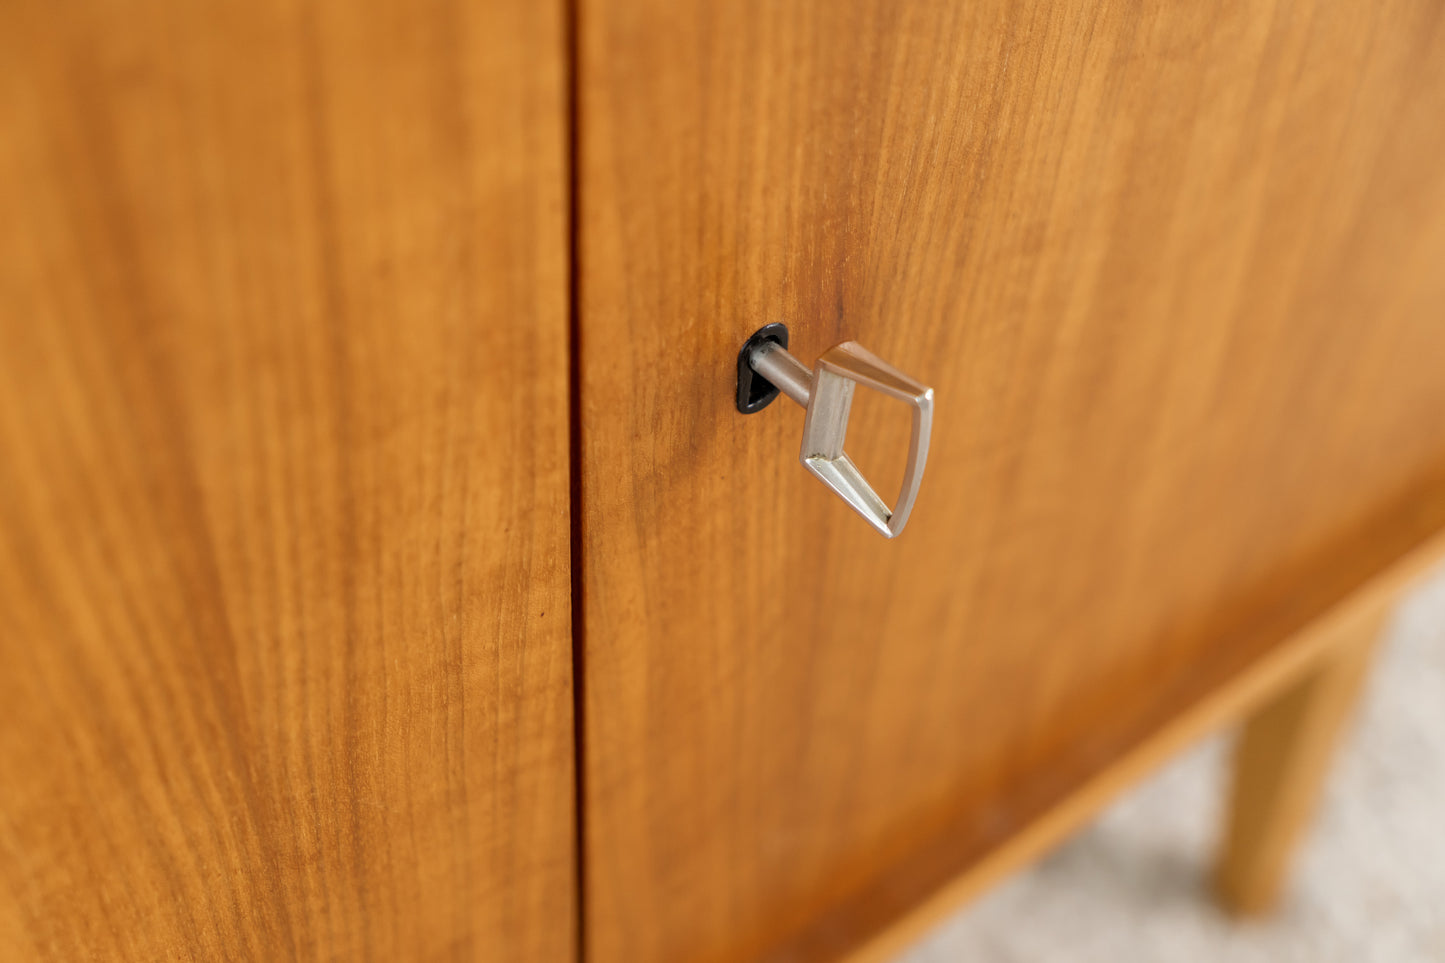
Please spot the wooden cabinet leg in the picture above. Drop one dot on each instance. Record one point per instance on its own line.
(1280, 765)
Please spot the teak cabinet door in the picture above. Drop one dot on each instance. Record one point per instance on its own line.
(1175, 274)
(284, 639)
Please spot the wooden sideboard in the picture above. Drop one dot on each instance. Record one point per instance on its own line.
(386, 572)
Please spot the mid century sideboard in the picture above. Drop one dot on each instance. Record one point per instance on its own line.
(389, 570)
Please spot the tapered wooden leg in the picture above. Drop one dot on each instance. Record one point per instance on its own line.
(1280, 766)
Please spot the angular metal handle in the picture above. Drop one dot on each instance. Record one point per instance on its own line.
(827, 393)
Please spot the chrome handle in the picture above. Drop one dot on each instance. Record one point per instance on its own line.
(827, 393)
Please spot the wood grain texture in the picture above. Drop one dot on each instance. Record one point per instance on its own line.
(1280, 764)
(284, 574)
(1175, 275)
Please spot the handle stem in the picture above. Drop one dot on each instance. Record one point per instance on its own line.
(787, 373)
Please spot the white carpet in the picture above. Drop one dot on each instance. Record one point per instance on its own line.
(1368, 885)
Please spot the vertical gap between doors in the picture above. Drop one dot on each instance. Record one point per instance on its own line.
(571, 66)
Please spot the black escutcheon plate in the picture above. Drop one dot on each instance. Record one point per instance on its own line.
(754, 391)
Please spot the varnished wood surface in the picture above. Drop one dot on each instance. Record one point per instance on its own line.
(1174, 273)
(284, 638)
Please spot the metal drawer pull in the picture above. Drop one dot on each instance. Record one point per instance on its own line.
(827, 393)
